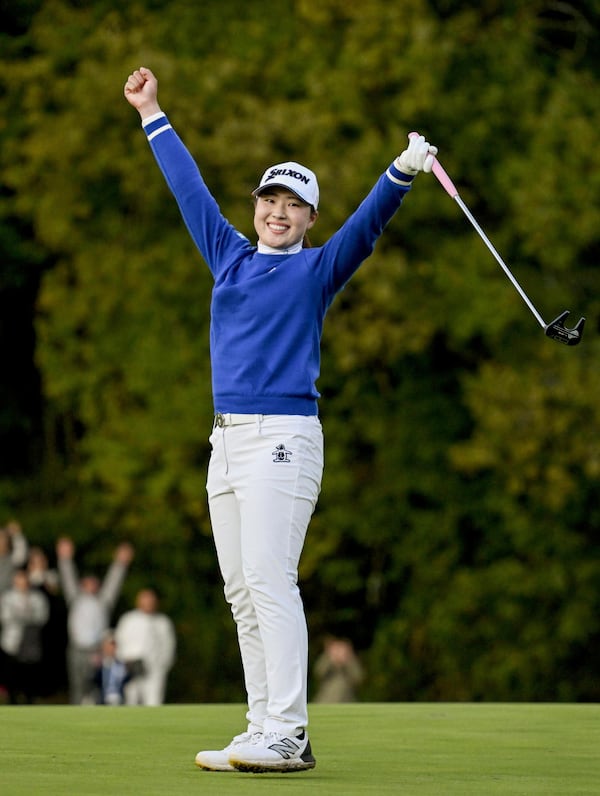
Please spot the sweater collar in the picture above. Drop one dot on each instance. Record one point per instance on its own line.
(264, 249)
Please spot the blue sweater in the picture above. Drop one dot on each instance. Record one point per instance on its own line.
(267, 310)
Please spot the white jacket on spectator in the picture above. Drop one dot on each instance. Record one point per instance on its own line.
(146, 642)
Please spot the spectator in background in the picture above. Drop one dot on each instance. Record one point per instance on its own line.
(13, 553)
(53, 676)
(39, 572)
(338, 671)
(90, 603)
(23, 612)
(146, 642)
(111, 674)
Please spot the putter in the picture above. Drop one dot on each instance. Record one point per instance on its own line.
(556, 329)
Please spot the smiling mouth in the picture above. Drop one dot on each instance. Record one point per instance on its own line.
(278, 227)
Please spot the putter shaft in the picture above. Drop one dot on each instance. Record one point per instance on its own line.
(499, 259)
(556, 329)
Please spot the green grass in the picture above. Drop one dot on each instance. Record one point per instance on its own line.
(434, 748)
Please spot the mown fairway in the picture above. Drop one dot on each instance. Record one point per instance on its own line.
(433, 748)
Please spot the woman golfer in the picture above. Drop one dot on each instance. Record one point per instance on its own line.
(267, 309)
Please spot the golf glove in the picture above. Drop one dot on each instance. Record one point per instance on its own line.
(418, 156)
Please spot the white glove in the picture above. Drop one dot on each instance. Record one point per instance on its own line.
(418, 156)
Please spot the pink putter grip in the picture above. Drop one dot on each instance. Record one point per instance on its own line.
(440, 173)
(445, 180)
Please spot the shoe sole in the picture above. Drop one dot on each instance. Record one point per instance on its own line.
(287, 767)
(222, 769)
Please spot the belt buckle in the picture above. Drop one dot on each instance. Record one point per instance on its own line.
(219, 420)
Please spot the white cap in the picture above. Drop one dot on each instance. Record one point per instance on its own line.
(300, 180)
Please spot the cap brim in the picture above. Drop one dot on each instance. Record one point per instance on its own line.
(263, 188)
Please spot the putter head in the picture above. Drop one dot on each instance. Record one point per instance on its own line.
(557, 331)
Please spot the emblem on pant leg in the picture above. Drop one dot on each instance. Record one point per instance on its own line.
(281, 454)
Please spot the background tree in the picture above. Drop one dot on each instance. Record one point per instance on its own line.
(456, 538)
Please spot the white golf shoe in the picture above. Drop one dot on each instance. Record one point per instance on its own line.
(218, 759)
(273, 752)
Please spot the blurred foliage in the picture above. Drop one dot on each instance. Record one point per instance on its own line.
(456, 540)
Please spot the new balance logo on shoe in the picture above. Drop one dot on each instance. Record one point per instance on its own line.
(286, 747)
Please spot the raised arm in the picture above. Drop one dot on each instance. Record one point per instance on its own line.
(69, 580)
(214, 236)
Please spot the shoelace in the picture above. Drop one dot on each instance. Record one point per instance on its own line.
(246, 737)
(274, 737)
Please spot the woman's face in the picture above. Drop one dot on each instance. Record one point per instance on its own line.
(281, 219)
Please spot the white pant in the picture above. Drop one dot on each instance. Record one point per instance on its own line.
(147, 689)
(264, 479)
